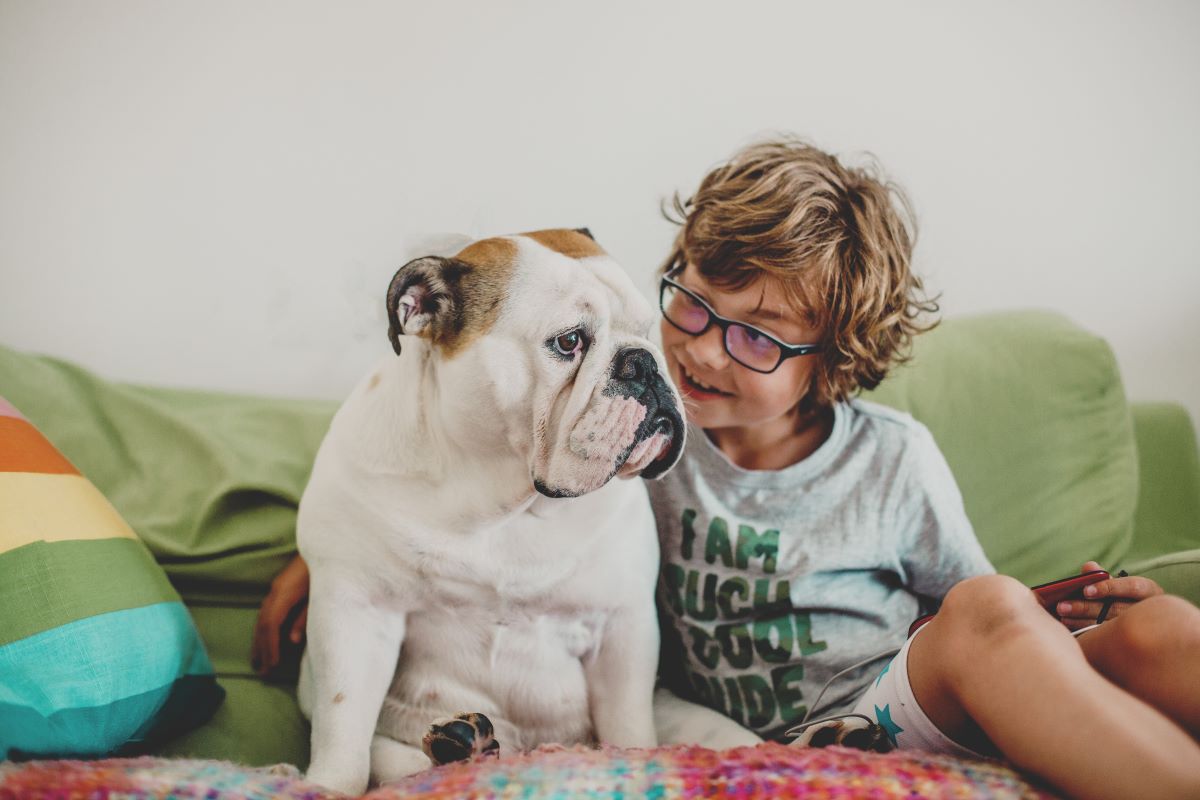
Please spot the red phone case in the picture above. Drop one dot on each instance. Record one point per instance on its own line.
(1049, 594)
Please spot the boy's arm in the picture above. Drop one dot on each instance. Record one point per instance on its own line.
(938, 543)
(289, 589)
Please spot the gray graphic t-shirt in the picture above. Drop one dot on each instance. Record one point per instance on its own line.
(773, 581)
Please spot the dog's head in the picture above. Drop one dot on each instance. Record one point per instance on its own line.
(544, 336)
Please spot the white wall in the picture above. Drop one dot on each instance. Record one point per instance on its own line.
(215, 194)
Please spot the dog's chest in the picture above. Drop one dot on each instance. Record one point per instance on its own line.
(542, 605)
(526, 594)
(529, 567)
(513, 632)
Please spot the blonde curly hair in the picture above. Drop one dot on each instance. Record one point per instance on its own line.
(839, 240)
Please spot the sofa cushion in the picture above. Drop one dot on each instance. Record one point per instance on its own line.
(260, 723)
(1168, 507)
(1030, 412)
(1177, 573)
(97, 652)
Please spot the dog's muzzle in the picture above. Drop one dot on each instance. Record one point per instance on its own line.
(635, 374)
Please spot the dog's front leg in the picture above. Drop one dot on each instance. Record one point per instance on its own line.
(354, 639)
(620, 678)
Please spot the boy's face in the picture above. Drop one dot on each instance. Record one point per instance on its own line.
(721, 393)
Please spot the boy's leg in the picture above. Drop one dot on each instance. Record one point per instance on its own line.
(1152, 651)
(994, 658)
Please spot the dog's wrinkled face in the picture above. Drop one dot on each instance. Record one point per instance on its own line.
(543, 336)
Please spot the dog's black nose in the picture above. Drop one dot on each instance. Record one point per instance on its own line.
(635, 365)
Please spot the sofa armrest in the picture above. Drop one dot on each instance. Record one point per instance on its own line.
(1167, 519)
(1176, 573)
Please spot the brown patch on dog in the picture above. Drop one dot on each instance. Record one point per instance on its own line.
(373, 382)
(339, 697)
(494, 253)
(571, 244)
(483, 271)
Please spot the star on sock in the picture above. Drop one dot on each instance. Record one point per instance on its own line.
(885, 669)
(884, 717)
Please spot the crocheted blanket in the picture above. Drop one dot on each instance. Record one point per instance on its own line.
(766, 771)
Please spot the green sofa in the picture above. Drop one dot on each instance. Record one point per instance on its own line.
(1055, 467)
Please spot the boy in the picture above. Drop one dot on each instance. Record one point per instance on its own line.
(803, 530)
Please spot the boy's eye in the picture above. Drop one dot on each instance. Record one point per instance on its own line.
(746, 343)
(757, 339)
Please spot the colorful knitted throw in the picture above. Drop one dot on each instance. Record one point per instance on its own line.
(767, 771)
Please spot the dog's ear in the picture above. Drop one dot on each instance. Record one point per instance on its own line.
(452, 301)
(417, 296)
(586, 233)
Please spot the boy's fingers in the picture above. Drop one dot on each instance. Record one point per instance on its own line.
(1091, 566)
(299, 624)
(266, 646)
(1134, 587)
(1085, 610)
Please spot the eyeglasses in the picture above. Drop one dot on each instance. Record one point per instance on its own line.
(745, 344)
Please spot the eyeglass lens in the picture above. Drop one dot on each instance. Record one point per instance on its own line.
(744, 344)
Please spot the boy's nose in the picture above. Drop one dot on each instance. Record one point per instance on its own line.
(708, 349)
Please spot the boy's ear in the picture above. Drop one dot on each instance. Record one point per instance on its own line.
(417, 297)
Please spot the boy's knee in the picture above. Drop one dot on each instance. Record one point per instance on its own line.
(987, 605)
(1155, 628)
(977, 616)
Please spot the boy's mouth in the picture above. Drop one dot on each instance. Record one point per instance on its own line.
(697, 387)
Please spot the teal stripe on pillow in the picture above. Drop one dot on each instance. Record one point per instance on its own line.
(110, 729)
(75, 665)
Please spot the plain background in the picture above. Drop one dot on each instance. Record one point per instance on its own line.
(215, 194)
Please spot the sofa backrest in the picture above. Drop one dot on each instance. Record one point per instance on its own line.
(1029, 410)
(1027, 407)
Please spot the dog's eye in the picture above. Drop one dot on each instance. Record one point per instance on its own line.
(569, 343)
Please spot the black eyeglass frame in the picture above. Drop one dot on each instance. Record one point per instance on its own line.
(786, 350)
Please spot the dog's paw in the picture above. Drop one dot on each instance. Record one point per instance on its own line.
(463, 738)
(851, 731)
(281, 770)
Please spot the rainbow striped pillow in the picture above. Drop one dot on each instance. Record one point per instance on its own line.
(98, 654)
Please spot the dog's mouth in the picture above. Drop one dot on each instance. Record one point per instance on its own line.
(658, 450)
(619, 436)
(653, 448)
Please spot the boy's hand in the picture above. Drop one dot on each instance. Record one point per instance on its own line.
(1122, 592)
(289, 589)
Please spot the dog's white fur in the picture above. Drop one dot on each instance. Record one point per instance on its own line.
(443, 583)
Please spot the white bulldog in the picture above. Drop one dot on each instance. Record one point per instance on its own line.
(468, 548)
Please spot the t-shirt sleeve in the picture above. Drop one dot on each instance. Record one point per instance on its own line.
(939, 544)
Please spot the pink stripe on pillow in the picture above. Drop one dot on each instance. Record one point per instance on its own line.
(7, 409)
